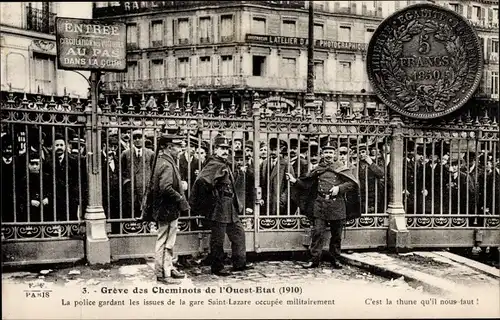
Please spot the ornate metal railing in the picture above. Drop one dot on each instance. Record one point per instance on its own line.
(40, 20)
(236, 81)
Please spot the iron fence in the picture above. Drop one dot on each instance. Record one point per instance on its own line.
(449, 175)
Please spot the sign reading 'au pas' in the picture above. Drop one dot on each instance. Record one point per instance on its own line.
(84, 44)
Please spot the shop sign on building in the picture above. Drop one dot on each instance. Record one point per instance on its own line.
(85, 44)
(302, 42)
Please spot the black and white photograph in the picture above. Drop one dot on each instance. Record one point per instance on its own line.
(250, 159)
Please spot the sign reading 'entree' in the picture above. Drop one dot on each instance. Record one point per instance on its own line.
(84, 44)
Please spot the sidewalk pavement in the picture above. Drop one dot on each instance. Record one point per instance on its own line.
(438, 272)
(432, 272)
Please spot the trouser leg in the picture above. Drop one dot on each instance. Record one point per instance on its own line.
(168, 257)
(217, 245)
(336, 227)
(318, 239)
(236, 234)
(161, 241)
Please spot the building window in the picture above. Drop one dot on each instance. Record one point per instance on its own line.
(494, 16)
(132, 36)
(494, 83)
(40, 17)
(183, 31)
(319, 32)
(157, 33)
(204, 28)
(258, 66)
(45, 73)
(289, 29)
(227, 66)
(132, 71)
(345, 34)
(494, 51)
(226, 28)
(476, 13)
(157, 70)
(345, 71)
(455, 7)
(204, 69)
(368, 8)
(288, 67)
(369, 34)
(259, 25)
(319, 70)
(183, 68)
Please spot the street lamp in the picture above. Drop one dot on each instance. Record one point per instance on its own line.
(183, 91)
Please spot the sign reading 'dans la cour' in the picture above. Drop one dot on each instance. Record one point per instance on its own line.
(85, 44)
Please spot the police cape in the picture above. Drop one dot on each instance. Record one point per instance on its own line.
(306, 190)
(211, 191)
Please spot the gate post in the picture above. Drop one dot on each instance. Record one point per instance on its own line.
(256, 166)
(398, 237)
(97, 247)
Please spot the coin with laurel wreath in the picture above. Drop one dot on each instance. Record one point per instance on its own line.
(424, 61)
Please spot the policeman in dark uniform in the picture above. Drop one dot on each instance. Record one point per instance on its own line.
(215, 197)
(330, 187)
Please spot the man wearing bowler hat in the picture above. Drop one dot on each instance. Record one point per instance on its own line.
(166, 202)
(333, 197)
(215, 197)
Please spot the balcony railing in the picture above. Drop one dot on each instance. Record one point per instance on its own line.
(40, 20)
(236, 81)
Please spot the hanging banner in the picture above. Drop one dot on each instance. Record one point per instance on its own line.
(84, 44)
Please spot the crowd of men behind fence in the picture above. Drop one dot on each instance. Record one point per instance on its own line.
(44, 175)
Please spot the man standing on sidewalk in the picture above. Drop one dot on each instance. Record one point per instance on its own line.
(214, 196)
(330, 188)
(166, 202)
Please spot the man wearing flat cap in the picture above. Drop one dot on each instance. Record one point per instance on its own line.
(215, 197)
(166, 202)
(333, 197)
(136, 165)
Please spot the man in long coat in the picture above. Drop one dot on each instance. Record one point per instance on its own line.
(215, 197)
(70, 181)
(275, 190)
(111, 180)
(333, 197)
(244, 181)
(136, 167)
(166, 201)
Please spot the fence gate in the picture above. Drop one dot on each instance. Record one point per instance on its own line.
(424, 185)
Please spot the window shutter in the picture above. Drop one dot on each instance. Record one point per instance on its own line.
(488, 52)
(233, 34)
(336, 7)
(211, 37)
(191, 29)
(483, 14)
(363, 9)
(488, 83)
(461, 9)
(151, 31)
(490, 14)
(379, 10)
(175, 31)
(353, 7)
(469, 12)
